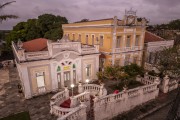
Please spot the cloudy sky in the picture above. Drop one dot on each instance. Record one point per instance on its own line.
(157, 11)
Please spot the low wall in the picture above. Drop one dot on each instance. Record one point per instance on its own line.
(94, 89)
(114, 104)
(78, 113)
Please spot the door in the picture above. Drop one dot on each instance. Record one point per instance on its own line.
(59, 79)
(67, 77)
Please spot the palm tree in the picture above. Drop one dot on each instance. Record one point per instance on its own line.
(5, 17)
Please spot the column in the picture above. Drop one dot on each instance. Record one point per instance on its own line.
(26, 83)
(54, 80)
(165, 83)
(80, 88)
(114, 38)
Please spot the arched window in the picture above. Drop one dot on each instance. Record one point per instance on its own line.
(58, 69)
(74, 66)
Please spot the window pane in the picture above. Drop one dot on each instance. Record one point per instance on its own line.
(137, 40)
(92, 39)
(73, 36)
(128, 41)
(59, 77)
(101, 40)
(118, 42)
(88, 70)
(86, 39)
(40, 81)
(79, 37)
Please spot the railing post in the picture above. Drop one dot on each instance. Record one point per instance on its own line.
(157, 80)
(73, 101)
(66, 92)
(138, 78)
(165, 84)
(83, 111)
(101, 89)
(146, 76)
(80, 88)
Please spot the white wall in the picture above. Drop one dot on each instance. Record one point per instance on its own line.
(112, 105)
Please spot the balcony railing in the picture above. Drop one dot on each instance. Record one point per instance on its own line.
(126, 49)
(37, 55)
(88, 50)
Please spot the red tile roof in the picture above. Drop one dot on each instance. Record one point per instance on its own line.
(150, 37)
(39, 44)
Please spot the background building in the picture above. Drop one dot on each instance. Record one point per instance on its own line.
(46, 66)
(153, 44)
(120, 41)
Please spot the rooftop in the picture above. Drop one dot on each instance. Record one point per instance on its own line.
(39, 44)
(150, 37)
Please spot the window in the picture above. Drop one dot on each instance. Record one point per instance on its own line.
(66, 76)
(73, 37)
(79, 37)
(88, 70)
(102, 61)
(87, 39)
(97, 40)
(101, 40)
(74, 66)
(118, 42)
(128, 41)
(137, 40)
(58, 69)
(74, 75)
(40, 79)
(92, 39)
(59, 77)
(68, 36)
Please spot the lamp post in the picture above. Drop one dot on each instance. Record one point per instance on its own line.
(87, 81)
(72, 86)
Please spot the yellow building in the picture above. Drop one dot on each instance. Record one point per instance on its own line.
(120, 41)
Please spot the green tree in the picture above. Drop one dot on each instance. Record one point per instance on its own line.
(133, 70)
(5, 17)
(46, 26)
(168, 61)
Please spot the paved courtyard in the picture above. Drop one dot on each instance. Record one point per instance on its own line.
(12, 102)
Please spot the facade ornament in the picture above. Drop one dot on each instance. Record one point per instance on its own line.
(19, 44)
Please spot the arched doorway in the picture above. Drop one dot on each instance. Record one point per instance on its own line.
(66, 74)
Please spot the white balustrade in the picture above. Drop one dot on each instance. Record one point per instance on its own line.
(125, 49)
(58, 98)
(59, 111)
(88, 50)
(75, 100)
(118, 96)
(149, 88)
(145, 81)
(133, 92)
(37, 55)
(95, 89)
(78, 113)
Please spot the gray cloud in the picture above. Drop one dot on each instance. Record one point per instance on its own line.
(157, 11)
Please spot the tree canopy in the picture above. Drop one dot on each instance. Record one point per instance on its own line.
(45, 26)
(168, 61)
